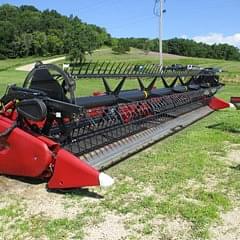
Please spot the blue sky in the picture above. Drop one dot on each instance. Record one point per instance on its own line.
(206, 20)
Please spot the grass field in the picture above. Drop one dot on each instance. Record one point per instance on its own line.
(185, 187)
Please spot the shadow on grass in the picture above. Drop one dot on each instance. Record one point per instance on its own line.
(82, 192)
(33, 181)
(226, 127)
(235, 167)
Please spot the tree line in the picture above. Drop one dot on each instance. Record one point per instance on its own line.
(186, 47)
(27, 31)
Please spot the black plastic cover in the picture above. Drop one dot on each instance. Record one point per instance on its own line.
(194, 87)
(32, 109)
(179, 89)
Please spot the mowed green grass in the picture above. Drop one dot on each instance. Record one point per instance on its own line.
(187, 176)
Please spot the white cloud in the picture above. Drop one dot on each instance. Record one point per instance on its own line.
(184, 36)
(219, 38)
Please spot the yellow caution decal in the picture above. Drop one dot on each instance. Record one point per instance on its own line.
(145, 94)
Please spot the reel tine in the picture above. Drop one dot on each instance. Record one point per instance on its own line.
(125, 69)
(150, 68)
(100, 68)
(154, 69)
(117, 68)
(105, 70)
(81, 66)
(110, 71)
(121, 68)
(130, 69)
(86, 72)
(94, 66)
(146, 68)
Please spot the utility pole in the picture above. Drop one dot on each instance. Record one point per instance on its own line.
(159, 12)
(161, 32)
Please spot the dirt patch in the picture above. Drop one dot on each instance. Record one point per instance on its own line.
(190, 200)
(233, 155)
(112, 228)
(38, 201)
(229, 228)
(149, 191)
(177, 229)
(210, 183)
(12, 186)
(169, 229)
(193, 185)
(50, 205)
(158, 228)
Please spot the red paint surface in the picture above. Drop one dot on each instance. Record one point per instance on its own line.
(235, 100)
(21, 153)
(71, 172)
(217, 103)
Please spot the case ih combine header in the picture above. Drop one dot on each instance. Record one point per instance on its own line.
(47, 132)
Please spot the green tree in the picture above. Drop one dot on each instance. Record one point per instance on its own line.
(121, 47)
(26, 31)
(39, 43)
(24, 44)
(54, 44)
